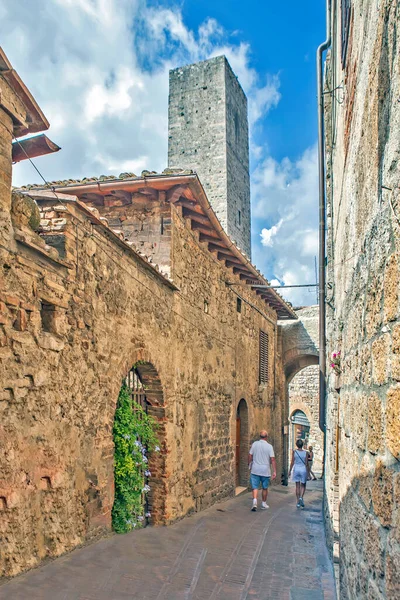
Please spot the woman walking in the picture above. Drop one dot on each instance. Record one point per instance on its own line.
(300, 467)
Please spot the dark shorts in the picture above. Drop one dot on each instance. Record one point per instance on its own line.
(255, 481)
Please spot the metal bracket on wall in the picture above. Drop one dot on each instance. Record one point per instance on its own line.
(338, 97)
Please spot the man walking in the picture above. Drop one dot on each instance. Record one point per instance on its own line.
(261, 457)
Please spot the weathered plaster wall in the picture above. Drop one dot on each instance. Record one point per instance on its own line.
(61, 373)
(363, 417)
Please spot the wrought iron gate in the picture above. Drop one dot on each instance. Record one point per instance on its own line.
(138, 396)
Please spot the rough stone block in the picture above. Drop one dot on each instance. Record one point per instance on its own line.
(392, 572)
(382, 494)
(12, 300)
(20, 322)
(391, 289)
(395, 357)
(393, 420)
(380, 359)
(50, 342)
(375, 424)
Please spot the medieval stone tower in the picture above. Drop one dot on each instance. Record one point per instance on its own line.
(208, 132)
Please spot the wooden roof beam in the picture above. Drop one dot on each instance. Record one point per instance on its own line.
(237, 270)
(187, 204)
(216, 242)
(209, 231)
(189, 214)
(218, 248)
(177, 191)
(228, 257)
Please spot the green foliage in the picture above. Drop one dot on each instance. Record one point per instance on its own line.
(134, 434)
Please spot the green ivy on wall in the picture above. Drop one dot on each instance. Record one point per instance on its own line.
(134, 435)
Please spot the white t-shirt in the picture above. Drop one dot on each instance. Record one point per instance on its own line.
(262, 452)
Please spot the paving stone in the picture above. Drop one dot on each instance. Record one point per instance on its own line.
(214, 555)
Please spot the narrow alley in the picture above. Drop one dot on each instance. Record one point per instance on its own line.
(225, 552)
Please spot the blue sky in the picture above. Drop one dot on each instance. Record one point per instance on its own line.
(283, 37)
(99, 70)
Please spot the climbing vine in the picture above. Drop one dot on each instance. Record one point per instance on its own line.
(134, 436)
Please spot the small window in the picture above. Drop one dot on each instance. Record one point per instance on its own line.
(47, 316)
(239, 217)
(206, 307)
(346, 14)
(239, 305)
(264, 357)
(237, 128)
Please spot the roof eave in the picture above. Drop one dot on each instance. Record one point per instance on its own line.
(35, 119)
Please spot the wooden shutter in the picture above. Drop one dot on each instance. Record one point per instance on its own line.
(264, 357)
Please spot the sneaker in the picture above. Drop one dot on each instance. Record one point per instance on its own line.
(298, 505)
(264, 506)
(254, 507)
(301, 502)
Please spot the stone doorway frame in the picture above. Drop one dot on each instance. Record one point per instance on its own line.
(155, 405)
(242, 444)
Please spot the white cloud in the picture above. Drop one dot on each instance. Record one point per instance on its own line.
(285, 201)
(99, 70)
(267, 235)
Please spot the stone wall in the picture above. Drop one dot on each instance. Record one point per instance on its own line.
(78, 308)
(237, 162)
(304, 395)
(300, 341)
(141, 220)
(208, 132)
(363, 412)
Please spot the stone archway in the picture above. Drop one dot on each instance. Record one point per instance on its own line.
(242, 444)
(300, 341)
(155, 407)
(151, 396)
(303, 395)
(299, 352)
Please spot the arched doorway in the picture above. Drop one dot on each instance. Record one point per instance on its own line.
(143, 386)
(242, 444)
(303, 412)
(300, 426)
(138, 395)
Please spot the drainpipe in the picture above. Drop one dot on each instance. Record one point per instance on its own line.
(322, 223)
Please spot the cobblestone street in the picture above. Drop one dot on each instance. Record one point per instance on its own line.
(224, 553)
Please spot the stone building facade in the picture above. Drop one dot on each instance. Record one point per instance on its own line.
(304, 400)
(300, 355)
(99, 276)
(362, 122)
(208, 132)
